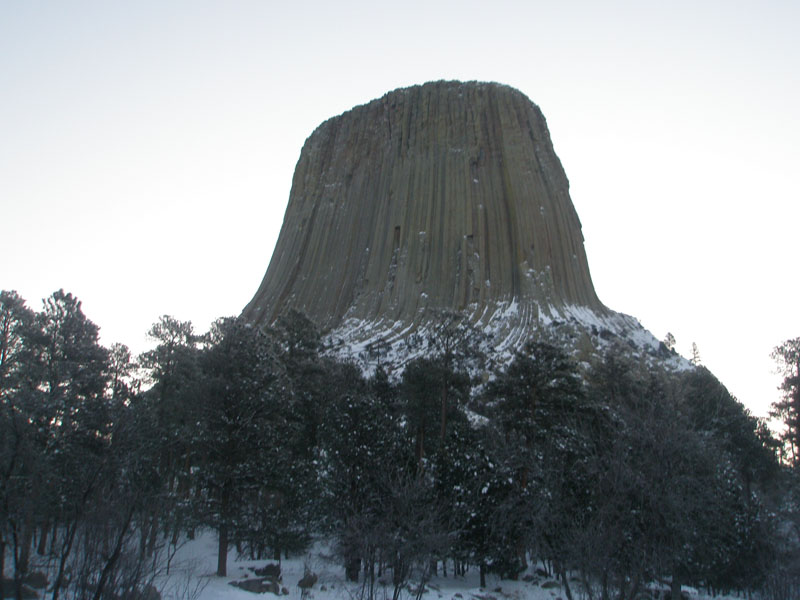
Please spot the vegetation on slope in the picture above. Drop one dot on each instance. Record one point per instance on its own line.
(618, 473)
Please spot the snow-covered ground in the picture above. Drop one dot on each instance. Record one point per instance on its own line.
(192, 577)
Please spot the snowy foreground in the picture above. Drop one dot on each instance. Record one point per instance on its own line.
(192, 577)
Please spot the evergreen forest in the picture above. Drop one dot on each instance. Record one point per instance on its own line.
(613, 472)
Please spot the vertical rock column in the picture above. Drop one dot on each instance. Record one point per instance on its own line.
(445, 195)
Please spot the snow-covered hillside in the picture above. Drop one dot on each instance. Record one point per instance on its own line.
(504, 328)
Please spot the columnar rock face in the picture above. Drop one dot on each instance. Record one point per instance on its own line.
(447, 195)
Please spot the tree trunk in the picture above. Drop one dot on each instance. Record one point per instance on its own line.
(420, 447)
(483, 574)
(19, 573)
(522, 555)
(17, 578)
(224, 516)
(151, 542)
(41, 549)
(563, 573)
(53, 536)
(352, 567)
(25, 548)
(112, 561)
(635, 586)
(222, 552)
(443, 432)
(143, 539)
(65, 552)
(675, 588)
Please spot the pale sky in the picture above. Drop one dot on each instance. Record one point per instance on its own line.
(147, 148)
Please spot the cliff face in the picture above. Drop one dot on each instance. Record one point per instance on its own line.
(442, 196)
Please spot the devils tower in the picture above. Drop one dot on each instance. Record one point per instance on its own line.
(443, 196)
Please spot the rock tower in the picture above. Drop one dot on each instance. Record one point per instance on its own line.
(443, 196)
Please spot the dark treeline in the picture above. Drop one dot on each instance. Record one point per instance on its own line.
(611, 475)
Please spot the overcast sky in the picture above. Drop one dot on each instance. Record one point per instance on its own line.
(147, 148)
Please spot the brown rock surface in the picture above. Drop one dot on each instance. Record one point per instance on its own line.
(447, 195)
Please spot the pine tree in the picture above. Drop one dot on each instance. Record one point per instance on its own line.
(457, 347)
(537, 402)
(669, 342)
(19, 395)
(538, 387)
(429, 386)
(16, 320)
(695, 360)
(477, 481)
(123, 384)
(787, 409)
(242, 424)
(171, 368)
(74, 417)
(365, 452)
(299, 345)
(715, 413)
